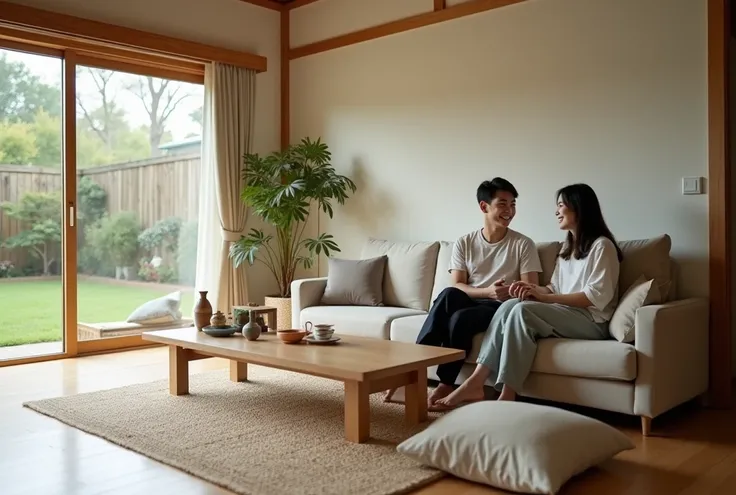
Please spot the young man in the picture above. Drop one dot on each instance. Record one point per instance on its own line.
(484, 263)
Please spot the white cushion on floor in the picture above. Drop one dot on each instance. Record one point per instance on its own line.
(361, 321)
(515, 446)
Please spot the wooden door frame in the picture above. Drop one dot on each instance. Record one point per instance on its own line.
(719, 205)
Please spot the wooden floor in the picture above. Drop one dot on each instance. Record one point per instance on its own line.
(693, 452)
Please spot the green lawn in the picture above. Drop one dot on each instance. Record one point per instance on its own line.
(32, 309)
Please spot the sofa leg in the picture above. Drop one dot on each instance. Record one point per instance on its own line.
(646, 426)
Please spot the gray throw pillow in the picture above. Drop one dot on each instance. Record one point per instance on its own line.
(354, 282)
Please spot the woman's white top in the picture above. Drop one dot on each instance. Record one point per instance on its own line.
(596, 276)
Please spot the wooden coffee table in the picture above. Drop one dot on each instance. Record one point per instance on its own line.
(365, 365)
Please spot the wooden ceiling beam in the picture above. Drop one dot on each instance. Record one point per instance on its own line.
(399, 26)
(298, 3)
(267, 4)
(53, 22)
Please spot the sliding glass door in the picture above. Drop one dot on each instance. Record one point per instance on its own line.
(32, 212)
(99, 174)
(138, 161)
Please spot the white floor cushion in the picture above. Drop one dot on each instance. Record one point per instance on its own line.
(515, 446)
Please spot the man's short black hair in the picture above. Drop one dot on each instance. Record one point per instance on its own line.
(488, 189)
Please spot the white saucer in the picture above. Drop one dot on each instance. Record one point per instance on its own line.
(330, 341)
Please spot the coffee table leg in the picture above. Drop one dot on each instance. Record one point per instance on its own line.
(178, 371)
(416, 397)
(238, 371)
(357, 412)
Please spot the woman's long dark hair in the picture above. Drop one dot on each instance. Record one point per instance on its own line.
(582, 200)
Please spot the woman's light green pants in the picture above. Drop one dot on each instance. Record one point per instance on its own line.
(510, 343)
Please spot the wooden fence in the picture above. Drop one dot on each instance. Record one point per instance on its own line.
(154, 189)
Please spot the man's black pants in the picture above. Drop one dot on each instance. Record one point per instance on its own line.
(454, 319)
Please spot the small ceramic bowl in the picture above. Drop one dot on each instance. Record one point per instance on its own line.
(291, 336)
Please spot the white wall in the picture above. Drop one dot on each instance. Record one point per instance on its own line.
(544, 93)
(227, 23)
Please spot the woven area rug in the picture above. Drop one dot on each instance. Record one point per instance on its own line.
(278, 433)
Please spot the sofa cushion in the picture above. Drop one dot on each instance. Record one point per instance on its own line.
(548, 252)
(409, 276)
(407, 328)
(442, 277)
(647, 257)
(361, 321)
(354, 282)
(602, 359)
(642, 293)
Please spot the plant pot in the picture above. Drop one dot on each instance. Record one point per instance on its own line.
(283, 311)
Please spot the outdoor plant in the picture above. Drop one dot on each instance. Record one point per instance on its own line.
(40, 213)
(115, 238)
(163, 235)
(6, 269)
(281, 188)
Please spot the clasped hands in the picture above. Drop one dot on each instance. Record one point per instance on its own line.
(519, 289)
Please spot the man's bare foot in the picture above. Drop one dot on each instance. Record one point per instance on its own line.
(442, 391)
(467, 392)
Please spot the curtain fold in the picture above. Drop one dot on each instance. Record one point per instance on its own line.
(228, 113)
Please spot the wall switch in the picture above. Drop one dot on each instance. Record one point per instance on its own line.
(692, 185)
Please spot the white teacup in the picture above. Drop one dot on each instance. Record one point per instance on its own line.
(322, 331)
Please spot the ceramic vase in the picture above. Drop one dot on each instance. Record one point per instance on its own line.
(202, 311)
(251, 330)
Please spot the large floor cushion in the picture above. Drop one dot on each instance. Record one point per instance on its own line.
(361, 321)
(607, 359)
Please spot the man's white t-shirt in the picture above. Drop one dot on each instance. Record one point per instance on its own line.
(596, 275)
(487, 262)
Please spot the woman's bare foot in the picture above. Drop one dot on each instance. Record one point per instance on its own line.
(442, 391)
(467, 392)
(507, 394)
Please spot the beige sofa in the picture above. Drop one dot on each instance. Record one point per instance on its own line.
(666, 365)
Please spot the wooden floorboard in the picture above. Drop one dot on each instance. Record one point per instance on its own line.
(693, 451)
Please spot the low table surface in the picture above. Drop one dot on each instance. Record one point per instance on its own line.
(353, 358)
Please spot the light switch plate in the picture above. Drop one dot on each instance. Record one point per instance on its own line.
(692, 185)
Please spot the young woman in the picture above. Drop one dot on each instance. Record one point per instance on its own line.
(577, 303)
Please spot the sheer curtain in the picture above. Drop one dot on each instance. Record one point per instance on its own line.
(228, 116)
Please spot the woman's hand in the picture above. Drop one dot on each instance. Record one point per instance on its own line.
(516, 288)
(534, 293)
(528, 292)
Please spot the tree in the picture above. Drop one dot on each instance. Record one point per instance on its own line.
(106, 118)
(23, 94)
(160, 97)
(197, 116)
(17, 143)
(47, 131)
(40, 214)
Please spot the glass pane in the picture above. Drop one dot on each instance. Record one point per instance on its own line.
(31, 169)
(138, 156)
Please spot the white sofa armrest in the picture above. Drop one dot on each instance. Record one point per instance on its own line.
(672, 355)
(305, 293)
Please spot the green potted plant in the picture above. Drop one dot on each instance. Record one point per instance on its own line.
(280, 188)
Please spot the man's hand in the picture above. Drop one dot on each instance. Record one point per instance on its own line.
(498, 290)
